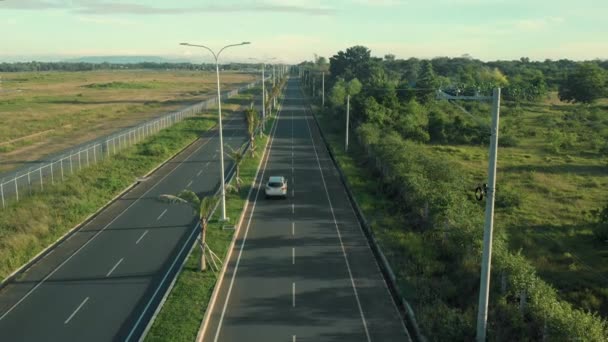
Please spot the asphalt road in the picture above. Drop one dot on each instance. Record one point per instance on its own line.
(301, 268)
(106, 280)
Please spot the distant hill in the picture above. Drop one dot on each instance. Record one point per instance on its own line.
(124, 59)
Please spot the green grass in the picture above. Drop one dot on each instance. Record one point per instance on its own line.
(182, 313)
(63, 205)
(556, 174)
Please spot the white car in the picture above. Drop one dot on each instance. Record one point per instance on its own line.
(276, 186)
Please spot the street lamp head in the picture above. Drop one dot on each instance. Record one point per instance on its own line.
(245, 43)
(184, 44)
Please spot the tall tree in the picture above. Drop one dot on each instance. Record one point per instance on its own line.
(427, 84)
(585, 84)
(202, 206)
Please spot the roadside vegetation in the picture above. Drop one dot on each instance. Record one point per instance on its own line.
(47, 112)
(414, 163)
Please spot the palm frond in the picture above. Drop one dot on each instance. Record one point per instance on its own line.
(171, 199)
(190, 197)
(206, 206)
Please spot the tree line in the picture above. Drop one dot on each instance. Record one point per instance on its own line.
(393, 112)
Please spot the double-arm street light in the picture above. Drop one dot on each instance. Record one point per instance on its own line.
(263, 93)
(219, 113)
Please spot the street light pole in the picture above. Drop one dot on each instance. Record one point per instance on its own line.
(219, 113)
(263, 95)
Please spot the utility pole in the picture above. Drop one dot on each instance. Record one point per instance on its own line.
(486, 259)
(323, 89)
(347, 121)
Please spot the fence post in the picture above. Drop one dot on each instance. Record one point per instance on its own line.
(16, 189)
(2, 191)
(41, 185)
(94, 154)
(79, 164)
(29, 181)
(61, 166)
(52, 176)
(114, 145)
(108, 147)
(88, 156)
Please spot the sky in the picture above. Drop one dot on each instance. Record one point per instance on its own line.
(294, 30)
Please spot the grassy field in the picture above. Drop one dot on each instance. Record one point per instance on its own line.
(182, 313)
(46, 112)
(63, 205)
(556, 172)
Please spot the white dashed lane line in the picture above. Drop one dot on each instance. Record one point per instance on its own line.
(115, 266)
(76, 311)
(141, 237)
(161, 215)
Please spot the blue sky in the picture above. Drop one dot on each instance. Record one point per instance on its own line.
(294, 30)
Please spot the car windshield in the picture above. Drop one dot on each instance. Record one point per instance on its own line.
(275, 184)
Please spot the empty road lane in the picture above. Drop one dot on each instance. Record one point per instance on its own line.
(301, 268)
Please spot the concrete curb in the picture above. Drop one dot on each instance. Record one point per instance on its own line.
(88, 219)
(387, 271)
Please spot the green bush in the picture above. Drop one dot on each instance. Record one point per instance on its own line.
(154, 150)
(600, 227)
(507, 197)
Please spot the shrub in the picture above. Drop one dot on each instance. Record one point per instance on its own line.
(507, 197)
(600, 228)
(154, 150)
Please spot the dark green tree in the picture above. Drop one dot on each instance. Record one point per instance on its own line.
(427, 84)
(585, 84)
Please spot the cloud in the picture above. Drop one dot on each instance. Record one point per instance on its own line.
(91, 7)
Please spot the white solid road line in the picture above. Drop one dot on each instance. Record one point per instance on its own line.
(238, 259)
(75, 311)
(99, 232)
(331, 208)
(161, 215)
(113, 268)
(141, 237)
(293, 295)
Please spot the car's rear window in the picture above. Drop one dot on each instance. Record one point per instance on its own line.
(275, 184)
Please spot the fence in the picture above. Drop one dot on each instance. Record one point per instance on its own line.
(25, 182)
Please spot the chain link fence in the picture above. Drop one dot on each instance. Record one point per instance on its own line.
(24, 182)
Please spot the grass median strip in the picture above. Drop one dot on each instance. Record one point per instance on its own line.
(183, 311)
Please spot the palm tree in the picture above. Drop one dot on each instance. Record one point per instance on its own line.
(203, 206)
(251, 115)
(237, 156)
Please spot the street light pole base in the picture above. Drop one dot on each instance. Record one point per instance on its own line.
(226, 219)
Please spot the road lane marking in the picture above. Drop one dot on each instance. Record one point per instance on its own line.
(189, 183)
(76, 311)
(207, 164)
(199, 173)
(102, 230)
(141, 237)
(293, 228)
(293, 208)
(113, 268)
(161, 215)
(294, 338)
(293, 255)
(293, 295)
(331, 208)
(238, 259)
